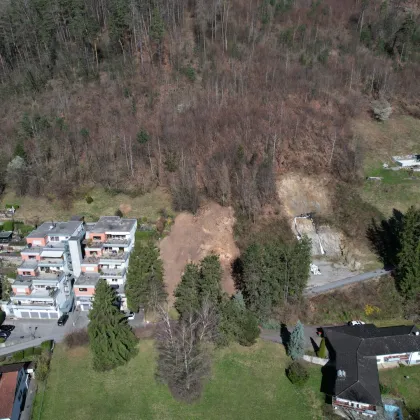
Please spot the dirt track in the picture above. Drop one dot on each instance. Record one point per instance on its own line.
(194, 237)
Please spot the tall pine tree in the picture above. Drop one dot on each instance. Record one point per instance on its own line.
(145, 287)
(112, 341)
(408, 270)
(186, 293)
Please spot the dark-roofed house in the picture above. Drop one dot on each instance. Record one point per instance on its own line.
(356, 351)
(14, 380)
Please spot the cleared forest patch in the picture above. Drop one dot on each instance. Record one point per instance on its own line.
(194, 237)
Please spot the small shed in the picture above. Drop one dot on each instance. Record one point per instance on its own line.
(6, 237)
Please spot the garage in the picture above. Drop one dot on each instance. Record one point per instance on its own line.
(24, 314)
(34, 314)
(85, 307)
(53, 315)
(44, 315)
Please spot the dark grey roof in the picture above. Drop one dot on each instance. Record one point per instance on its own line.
(354, 348)
(13, 367)
(113, 223)
(55, 228)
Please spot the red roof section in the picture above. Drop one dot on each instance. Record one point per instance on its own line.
(7, 393)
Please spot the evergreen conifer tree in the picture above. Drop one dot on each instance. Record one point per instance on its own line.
(186, 293)
(208, 286)
(408, 270)
(296, 346)
(112, 341)
(145, 287)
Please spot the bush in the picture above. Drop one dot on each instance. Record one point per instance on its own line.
(76, 339)
(119, 213)
(18, 356)
(89, 199)
(322, 352)
(9, 206)
(2, 340)
(2, 314)
(8, 225)
(297, 373)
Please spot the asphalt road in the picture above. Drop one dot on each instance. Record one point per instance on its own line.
(312, 291)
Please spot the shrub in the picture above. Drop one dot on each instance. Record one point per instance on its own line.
(18, 356)
(9, 206)
(119, 213)
(2, 314)
(76, 339)
(8, 225)
(89, 199)
(42, 366)
(297, 373)
(2, 340)
(322, 352)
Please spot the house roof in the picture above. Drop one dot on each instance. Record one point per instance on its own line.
(6, 234)
(8, 382)
(87, 279)
(354, 350)
(113, 224)
(7, 393)
(55, 228)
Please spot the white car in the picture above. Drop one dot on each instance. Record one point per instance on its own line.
(131, 316)
(356, 322)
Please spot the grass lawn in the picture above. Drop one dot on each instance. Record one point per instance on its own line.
(399, 386)
(38, 209)
(246, 383)
(380, 141)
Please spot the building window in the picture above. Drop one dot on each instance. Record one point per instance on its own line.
(114, 280)
(82, 289)
(54, 238)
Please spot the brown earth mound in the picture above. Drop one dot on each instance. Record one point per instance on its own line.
(194, 237)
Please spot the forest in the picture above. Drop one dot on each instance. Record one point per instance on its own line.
(211, 98)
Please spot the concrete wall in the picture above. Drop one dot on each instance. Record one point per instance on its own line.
(36, 241)
(315, 360)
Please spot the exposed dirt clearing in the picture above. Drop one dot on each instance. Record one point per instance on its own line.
(303, 194)
(194, 237)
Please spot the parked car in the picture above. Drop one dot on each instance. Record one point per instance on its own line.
(7, 328)
(4, 334)
(131, 316)
(62, 320)
(356, 322)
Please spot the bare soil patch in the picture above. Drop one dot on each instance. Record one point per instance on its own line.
(194, 237)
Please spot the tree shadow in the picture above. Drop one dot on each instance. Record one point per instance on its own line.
(284, 335)
(237, 268)
(384, 238)
(314, 345)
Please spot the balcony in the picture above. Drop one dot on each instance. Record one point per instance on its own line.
(51, 262)
(111, 273)
(123, 242)
(113, 256)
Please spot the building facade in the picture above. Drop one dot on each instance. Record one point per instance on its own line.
(108, 245)
(43, 288)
